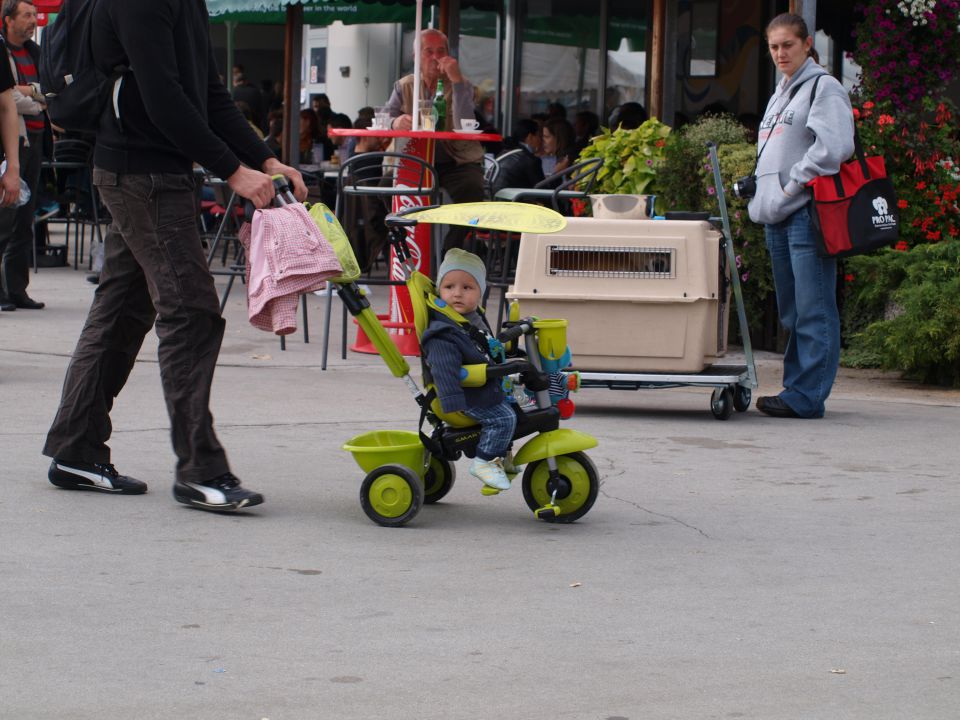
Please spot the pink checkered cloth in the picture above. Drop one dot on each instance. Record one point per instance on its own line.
(287, 256)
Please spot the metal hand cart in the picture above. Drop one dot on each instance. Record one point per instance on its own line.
(682, 297)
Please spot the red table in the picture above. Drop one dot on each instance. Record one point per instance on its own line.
(422, 144)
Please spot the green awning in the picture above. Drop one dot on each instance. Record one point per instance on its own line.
(349, 12)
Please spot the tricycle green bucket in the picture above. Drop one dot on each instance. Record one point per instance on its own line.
(395, 463)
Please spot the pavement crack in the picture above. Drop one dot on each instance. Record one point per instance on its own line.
(677, 520)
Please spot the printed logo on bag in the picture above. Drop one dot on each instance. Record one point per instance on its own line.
(883, 220)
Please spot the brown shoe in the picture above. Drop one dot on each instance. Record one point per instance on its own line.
(774, 406)
(25, 302)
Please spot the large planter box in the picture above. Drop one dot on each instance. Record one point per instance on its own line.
(640, 295)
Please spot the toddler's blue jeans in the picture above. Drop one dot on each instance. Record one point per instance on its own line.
(497, 425)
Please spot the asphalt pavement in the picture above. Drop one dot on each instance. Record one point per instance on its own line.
(750, 568)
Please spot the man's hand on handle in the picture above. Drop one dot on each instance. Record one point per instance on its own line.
(275, 167)
(257, 187)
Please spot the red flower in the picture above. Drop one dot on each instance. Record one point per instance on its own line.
(849, 277)
(921, 185)
(901, 246)
(867, 105)
(933, 235)
(902, 204)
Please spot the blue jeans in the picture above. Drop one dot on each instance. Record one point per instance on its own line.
(807, 304)
(497, 425)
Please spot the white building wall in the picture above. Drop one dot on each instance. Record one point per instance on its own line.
(361, 65)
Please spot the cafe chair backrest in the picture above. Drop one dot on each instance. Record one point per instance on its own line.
(72, 151)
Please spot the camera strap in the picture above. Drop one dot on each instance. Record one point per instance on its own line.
(793, 93)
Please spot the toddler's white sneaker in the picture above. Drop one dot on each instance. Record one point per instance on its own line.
(490, 472)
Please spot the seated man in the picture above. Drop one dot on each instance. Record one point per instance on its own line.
(520, 167)
(459, 163)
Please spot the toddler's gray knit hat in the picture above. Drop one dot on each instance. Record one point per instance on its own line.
(457, 259)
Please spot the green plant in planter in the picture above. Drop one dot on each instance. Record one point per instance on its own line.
(631, 158)
(686, 158)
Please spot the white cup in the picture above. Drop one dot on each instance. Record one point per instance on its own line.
(469, 124)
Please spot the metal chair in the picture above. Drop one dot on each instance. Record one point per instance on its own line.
(574, 183)
(373, 176)
(559, 189)
(73, 158)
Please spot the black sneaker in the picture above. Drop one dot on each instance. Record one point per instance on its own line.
(222, 494)
(102, 477)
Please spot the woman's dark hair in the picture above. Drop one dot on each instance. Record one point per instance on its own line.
(312, 122)
(562, 130)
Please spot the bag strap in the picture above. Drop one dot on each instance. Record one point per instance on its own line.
(793, 93)
(857, 150)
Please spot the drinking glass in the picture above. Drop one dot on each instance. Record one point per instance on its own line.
(426, 115)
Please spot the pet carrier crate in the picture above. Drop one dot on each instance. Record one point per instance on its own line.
(647, 301)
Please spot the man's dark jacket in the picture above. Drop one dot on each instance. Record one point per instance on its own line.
(174, 109)
(519, 168)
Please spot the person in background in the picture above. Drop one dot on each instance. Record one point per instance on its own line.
(556, 110)
(556, 151)
(343, 148)
(628, 116)
(309, 134)
(19, 18)
(9, 138)
(246, 91)
(459, 163)
(520, 167)
(274, 132)
(248, 116)
(155, 271)
(586, 125)
(802, 137)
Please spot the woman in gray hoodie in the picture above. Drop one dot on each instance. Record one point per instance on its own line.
(804, 134)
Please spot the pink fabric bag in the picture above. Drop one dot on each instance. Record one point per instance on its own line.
(287, 256)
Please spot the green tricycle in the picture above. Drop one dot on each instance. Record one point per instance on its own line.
(406, 469)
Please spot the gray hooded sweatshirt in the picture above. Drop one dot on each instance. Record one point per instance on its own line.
(805, 142)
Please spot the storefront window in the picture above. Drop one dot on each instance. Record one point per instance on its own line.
(558, 60)
(627, 46)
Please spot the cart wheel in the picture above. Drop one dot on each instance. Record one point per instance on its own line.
(440, 476)
(391, 495)
(741, 398)
(576, 492)
(721, 403)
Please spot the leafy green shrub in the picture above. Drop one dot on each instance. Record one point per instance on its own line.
(916, 295)
(686, 159)
(631, 158)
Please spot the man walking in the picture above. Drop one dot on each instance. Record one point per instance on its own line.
(19, 19)
(172, 114)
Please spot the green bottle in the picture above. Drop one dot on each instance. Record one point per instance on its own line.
(439, 107)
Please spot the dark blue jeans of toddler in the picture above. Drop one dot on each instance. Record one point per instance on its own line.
(497, 424)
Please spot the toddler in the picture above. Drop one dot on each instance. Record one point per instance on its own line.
(461, 283)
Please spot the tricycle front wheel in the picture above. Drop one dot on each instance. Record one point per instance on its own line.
(391, 495)
(576, 488)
